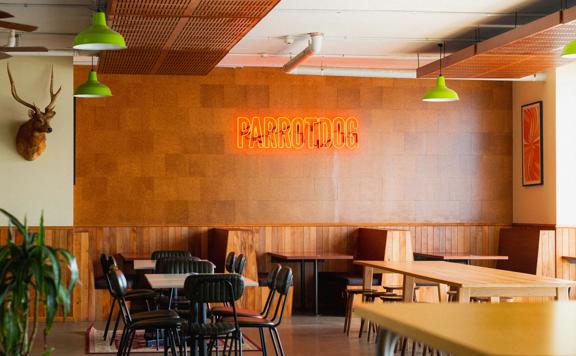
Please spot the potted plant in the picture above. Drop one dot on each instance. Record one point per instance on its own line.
(31, 277)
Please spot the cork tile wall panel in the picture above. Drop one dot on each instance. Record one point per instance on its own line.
(162, 150)
(182, 36)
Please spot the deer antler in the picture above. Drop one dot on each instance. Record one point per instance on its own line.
(53, 95)
(15, 94)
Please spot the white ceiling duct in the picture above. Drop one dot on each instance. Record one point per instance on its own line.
(314, 47)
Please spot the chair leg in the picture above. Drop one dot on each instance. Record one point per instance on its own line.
(131, 337)
(273, 342)
(115, 327)
(109, 319)
(361, 328)
(262, 341)
(279, 341)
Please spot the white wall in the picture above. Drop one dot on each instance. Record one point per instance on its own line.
(566, 145)
(535, 204)
(27, 188)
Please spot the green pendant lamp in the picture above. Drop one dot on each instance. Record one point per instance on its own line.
(92, 88)
(441, 93)
(569, 50)
(99, 37)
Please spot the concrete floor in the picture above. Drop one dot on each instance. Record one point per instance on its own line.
(301, 335)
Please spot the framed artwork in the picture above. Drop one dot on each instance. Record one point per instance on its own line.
(532, 145)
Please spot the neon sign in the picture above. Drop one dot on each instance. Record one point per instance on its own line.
(296, 133)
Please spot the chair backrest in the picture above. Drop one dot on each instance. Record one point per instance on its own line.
(272, 276)
(240, 264)
(271, 284)
(105, 264)
(230, 262)
(118, 282)
(170, 253)
(214, 288)
(183, 265)
(284, 281)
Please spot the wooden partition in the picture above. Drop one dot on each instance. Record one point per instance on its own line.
(529, 250)
(92, 304)
(566, 246)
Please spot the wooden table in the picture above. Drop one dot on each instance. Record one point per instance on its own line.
(302, 258)
(176, 280)
(470, 281)
(477, 329)
(453, 257)
(144, 264)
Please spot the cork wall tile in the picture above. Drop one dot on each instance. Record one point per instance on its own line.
(174, 147)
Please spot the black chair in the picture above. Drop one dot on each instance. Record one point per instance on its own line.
(230, 262)
(165, 320)
(283, 285)
(156, 255)
(240, 264)
(226, 311)
(180, 265)
(146, 295)
(202, 289)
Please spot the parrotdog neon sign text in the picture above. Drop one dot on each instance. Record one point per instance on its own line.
(296, 133)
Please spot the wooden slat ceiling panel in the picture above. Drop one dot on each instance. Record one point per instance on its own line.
(183, 36)
(518, 53)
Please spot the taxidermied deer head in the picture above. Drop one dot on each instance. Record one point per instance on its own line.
(31, 138)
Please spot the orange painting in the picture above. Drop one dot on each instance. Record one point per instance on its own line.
(532, 165)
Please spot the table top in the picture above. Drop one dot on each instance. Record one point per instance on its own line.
(144, 264)
(482, 329)
(171, 280)
(296, 256)
(450, 256)
(467, 276)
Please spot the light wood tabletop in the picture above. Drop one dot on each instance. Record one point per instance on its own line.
(448, 256)
(171, 280)
(470, 281)
(144, 264)
(478, 329)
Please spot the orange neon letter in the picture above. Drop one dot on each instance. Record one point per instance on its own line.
(298, 132)
(339, 132)
(256, 135)
(270, 132)
(284, 133)
(352, 132)
(325, 132)
(243, 126)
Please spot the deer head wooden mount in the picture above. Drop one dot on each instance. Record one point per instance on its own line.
(31, 138)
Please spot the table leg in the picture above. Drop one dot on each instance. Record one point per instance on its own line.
(316, 287)
(562, 294)
(409, 283)
(386, 343)
(368, 277)
(302, 286)
(463, 295)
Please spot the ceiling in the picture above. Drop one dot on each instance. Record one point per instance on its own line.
(389, 34)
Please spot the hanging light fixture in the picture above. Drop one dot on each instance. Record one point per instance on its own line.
(99, 37)
(441, 93)
(92, 88)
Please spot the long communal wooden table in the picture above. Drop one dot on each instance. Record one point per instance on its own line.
(477, 329)
(469, 281)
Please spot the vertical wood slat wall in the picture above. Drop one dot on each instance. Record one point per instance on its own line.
(88, 242)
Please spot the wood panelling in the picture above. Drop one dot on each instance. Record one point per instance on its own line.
(566, 246)
(162, 151)
(87, 243)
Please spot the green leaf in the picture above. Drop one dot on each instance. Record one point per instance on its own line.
(48, 352)
(73, 265)
(14, 221)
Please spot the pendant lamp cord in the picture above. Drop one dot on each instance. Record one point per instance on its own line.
(440, 45)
